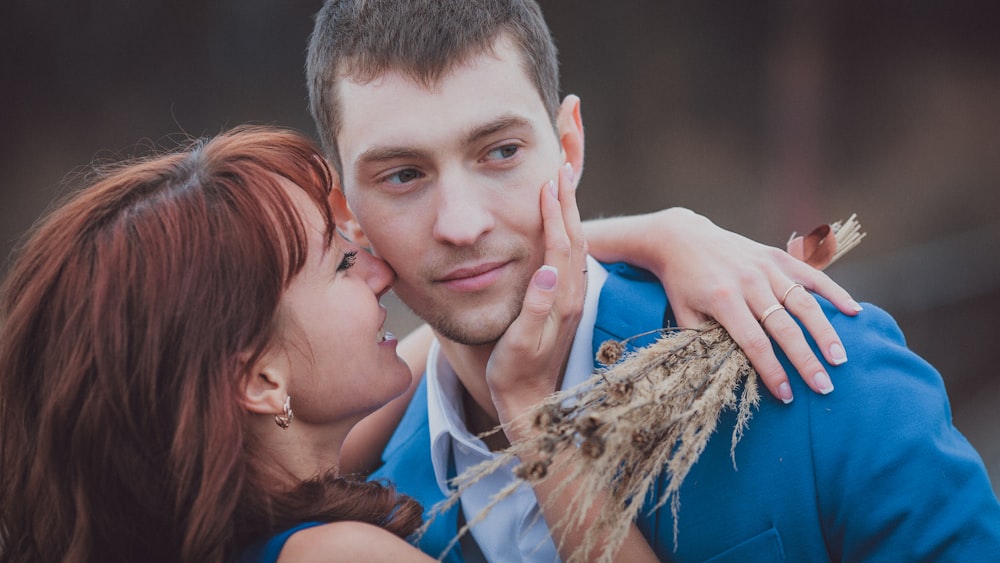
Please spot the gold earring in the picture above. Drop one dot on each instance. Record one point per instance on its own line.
(285, 420)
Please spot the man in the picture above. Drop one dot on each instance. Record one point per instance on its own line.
(443, 121)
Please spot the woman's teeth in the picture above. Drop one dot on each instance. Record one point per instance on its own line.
(384, 335)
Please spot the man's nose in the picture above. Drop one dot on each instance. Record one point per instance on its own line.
(463, 211)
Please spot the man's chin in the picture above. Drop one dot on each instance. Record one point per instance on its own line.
(472, 330)
(467, 336)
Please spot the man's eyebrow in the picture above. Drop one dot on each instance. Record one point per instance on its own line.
(389, 152)
(382, 153)
(499, 124)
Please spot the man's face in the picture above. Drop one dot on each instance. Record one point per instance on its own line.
(445, 182)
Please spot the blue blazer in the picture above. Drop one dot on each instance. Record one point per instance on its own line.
(874, 471)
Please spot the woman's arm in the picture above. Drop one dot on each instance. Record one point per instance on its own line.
(709, 272)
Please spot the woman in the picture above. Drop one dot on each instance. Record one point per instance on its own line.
(185, 345)
(154, 328)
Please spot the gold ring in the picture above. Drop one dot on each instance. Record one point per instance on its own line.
(789, 290)
(769, 310)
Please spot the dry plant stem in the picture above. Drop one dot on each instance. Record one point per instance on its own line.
(600, 445)
(848, 235)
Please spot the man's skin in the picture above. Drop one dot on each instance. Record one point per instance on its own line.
(444, 182)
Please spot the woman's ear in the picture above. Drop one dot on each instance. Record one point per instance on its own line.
(569, 124)
(266, 384)
(347, 223)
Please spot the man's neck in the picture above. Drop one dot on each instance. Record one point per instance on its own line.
(469, 363)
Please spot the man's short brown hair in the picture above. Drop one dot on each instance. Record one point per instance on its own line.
(422, 39)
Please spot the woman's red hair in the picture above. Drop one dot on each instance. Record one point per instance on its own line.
(126, 325)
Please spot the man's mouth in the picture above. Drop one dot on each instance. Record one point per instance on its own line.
(474, 277)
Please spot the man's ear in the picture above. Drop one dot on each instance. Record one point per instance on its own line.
(569, 124)
(266, 384)
(347, 223)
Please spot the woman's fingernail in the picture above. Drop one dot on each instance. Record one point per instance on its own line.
(822, 382)
(569, 171)
(785, 392)
(837, 354)
(856, 306)
(553, 190)
(546, 277)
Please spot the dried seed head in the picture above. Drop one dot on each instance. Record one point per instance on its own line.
(550, 415)
(610, 352)
(588, 425)
(532, 471)
(643, 439)
(620, 391)
(592, 447)
(698, 348)
(549, 444)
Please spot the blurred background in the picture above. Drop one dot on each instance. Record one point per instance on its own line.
(768, 117)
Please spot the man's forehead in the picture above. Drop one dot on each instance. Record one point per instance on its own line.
(490, 92)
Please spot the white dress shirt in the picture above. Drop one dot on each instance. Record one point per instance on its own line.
(514, 530)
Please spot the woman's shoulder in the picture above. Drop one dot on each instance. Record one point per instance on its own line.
(347, 541)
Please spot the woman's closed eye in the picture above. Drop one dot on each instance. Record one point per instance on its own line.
(350, 257)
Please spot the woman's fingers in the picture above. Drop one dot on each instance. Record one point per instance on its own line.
(736, 316)
(568, 231)
(800, 303)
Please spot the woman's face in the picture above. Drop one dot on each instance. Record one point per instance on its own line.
(342, 363)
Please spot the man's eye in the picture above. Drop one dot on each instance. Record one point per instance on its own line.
(502, 153)
(403, 176)
(348, 260)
